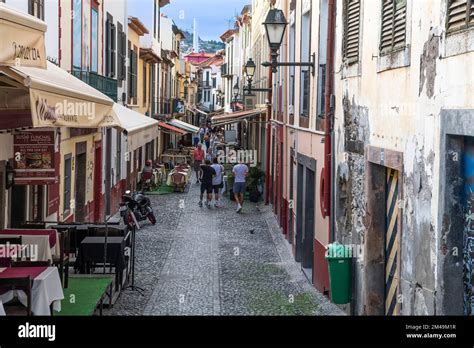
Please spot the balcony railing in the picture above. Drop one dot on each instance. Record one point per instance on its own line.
(103, 84)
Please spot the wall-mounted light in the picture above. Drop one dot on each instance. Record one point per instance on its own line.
(275, 26)
(9, 176)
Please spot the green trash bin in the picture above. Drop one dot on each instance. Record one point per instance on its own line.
(339, 259)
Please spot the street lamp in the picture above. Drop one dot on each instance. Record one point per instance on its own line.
(236, 94)
(249, 70)
(186, 85)
(275, 26)
(10, 176)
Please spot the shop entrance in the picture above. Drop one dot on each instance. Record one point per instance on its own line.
(18, 207)
(308, 235)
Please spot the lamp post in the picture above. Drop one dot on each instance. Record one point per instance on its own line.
(275, 27)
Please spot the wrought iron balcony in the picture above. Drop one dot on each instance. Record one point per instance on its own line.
(103, 84)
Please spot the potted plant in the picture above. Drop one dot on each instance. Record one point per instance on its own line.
(230, 185)
(254, 178)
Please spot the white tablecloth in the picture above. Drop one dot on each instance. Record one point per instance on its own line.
(46, 289)
(45, 252)
(2, 310)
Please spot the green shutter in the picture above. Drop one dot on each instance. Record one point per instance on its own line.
(351, 29)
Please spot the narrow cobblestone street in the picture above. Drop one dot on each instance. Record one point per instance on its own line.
(212, 261)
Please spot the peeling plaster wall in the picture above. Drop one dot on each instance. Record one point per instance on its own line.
(398, 108)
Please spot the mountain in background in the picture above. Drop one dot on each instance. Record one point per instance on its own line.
(208, 46)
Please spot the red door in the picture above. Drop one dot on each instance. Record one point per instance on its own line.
(98, 181)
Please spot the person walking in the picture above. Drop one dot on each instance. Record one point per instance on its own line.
(196, 139)
(240, 171)
(208, 174)
(201, 134)
(198, 157)
(217, 180)
(207, 141)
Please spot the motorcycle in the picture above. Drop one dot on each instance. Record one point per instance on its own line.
(136, 207)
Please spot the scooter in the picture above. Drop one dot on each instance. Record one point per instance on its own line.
(136, 207)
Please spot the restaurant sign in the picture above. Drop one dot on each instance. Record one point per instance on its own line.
(21, 45)
(34, 154)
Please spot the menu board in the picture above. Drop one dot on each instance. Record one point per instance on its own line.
(34, 159)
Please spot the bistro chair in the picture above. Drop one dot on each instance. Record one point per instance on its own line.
(62, 260)
(31, 263)
(24, 284)
(5, 261)
(11, 240)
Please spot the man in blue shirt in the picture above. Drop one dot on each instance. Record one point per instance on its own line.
(240, 171)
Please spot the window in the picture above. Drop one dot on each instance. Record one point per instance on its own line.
(77, 35)
(67, 184)
(305, 57)
(36, 8)
(132, 74)
(214, 82)
(460, 14)
(110, 46)
(94, 40)
(144, 84)
(393, 34)
(350, 44)
(121, 52)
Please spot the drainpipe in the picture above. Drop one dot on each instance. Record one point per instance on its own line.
(269, 130)
(328, 111)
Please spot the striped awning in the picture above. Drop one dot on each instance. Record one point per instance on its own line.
(235, 117)
(170, 128)
(183, 125)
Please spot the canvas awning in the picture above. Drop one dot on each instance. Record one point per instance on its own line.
(234, 117)
(140, 129)
(184, 125)
(55, 98)
(170, 128)
(22, 38)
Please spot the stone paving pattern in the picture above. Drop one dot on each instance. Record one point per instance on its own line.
(201, 261)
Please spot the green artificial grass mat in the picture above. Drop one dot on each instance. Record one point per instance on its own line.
(161, 190)
(82, 295)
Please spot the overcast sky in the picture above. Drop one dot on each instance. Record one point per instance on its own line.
(213, 16)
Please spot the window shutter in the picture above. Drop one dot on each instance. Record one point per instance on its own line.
(457, 14)
(471, 18)
(107, 47)
(393, 25)
(351, 29)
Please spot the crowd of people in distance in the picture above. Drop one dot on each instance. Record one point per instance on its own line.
(210, 173)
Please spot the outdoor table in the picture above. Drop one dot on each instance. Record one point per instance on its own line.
(46, 240)
(46, 289)
(92, 250)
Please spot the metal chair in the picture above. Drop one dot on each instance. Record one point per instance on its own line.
(62, 260)
(11, 240)
(23, 283)
(31, 263)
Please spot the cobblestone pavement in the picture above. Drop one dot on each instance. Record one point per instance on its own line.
(201, 261)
